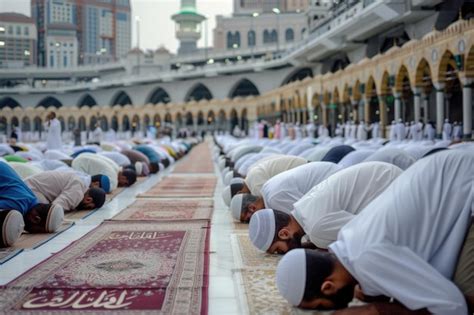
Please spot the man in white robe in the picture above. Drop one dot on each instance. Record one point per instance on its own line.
(404, 245)
(53, 128)
(324, 210)
(361, 131)
(447, 130)
(283, 190)
(260, 173)
(65, 189)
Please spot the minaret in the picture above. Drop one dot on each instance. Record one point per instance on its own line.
(188, 26)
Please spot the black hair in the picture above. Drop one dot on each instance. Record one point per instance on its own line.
(319, 266)
(433, 151)
(235, 188)
(282, 219)
(154, 167)
(43, 210)
(98, 195)
(166, 162)
(131, 176)
(130, 167)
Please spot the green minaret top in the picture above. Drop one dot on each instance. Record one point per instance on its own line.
(188, 30)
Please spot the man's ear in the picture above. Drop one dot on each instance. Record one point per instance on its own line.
(88, 199)
(328, 288)
(252, 208)
(35, 219)
(284, 234)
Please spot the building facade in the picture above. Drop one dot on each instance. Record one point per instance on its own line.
(17, 40)
(72, 32)
(248, 7)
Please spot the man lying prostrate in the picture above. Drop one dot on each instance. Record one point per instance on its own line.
(20, 208)
(263, 171)
(94, 164)
(25, 170)
(393, 156)
(283, 190)
(65, 189)
(413, 243)
(324, 210)
(117, 157)
(152, 156)
(135, 156)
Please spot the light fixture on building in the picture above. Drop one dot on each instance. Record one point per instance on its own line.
(26, 52)
(2, 43)
(2, 29)
(235, 46)
(315, 116)
(239, 57)
(210, 61)
(276, 10)
(58, 44)
(103, 50)
(255, 14)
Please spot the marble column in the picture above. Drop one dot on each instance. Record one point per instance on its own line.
(417, 103)
(467, 109)
(383, 115)
(398, 106)
(439, 108)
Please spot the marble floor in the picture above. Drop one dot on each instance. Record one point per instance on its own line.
(223, 291)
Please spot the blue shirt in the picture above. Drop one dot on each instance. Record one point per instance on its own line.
(14, 194)
(149, 152)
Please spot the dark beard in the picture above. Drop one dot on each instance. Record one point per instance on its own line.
(81, 206)
(294, 242)
(343, 297)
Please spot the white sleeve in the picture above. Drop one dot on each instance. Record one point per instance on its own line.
(398, 272)
(325, 230)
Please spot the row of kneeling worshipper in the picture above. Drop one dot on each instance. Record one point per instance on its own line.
(389, 225)
(37, 186)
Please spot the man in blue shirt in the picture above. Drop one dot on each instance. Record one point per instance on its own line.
(17, 198)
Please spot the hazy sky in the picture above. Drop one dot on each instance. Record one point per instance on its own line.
(156, 26)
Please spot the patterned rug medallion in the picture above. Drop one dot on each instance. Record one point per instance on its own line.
(183, 186)
(199, 160)
(257, 271)
(166, 209)
(127, 267)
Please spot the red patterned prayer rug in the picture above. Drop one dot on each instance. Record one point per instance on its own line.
(199, 160)
(120, 267)
(183, 186)
(166, 209)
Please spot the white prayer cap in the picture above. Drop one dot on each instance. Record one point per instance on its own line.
(237, 180)
(228, 177)
(262, 229)
(291, 276)
(54, 219)
(139, 168)
(221, 164)
(227, 196)
(236, 206)
(11, 227)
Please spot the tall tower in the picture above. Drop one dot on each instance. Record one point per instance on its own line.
(188, 26)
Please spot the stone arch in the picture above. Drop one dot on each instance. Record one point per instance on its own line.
(289, 35)
(243, 88)
(125, 123)
(158, 95)
(198, 92)
(189, 119)
(244, 122)
(200, 118)
(87, 100)
(62, 122)
(469, 67)
(372, 112)
(136, 123)
(221, 120)
(37, 124)
(168, 118)
(82, 123)
(71, 123)
(8, 102)
(211, 117)
(146, 121)
(298, 75)
(93, 122)
(404, 88)
(424, 83)
(448, 73)
(234, 119)
(25, 124)
(49, 101)
(157, 120)
(104, 123)
(121, 98)
(114, 123)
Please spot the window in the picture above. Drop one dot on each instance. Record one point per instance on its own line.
(51, 61)
(266, 36)
(10, 30)
(26, 30)
(289, 35)
(65, 61)
(251, 38)
(18, 30)
(274, 36)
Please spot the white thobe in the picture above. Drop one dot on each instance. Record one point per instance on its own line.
(283, 190)
(326, 208)
(405, 243)
(457, 132)
(65, 189)
(25, 170)
(393, 132)
(53, 138)
(361, 132)
(260, 173)
(447, 129)
(253, 160)
(117, 157)
(400, 132)
(352, 132)
(97, 135)
(430, 132)
(347, 130)
(375, 130)
(94, 164)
